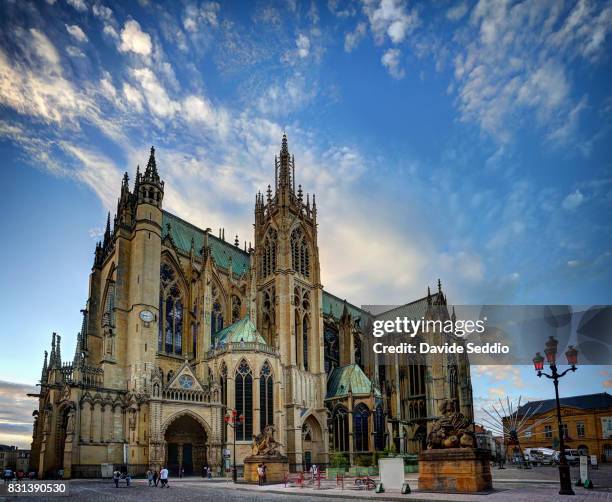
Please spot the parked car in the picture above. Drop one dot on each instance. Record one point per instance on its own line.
(572, 456)
(539, 456)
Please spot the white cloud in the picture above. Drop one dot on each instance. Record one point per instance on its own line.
(513, 60)
(79, 5)
(75, 52)
(76, 32)
(155, 94)
(457, 11)
(195, 18)
(37, 87)
(133, 39)
(133, 96)
(102, 11)
(199, 110)
(96, 171)
(573, 200)
(391, 60)
(390, 18)
(352, 38)
(302, 43)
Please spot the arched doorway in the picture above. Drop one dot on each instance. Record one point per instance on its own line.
(312, 443)
(185, 446)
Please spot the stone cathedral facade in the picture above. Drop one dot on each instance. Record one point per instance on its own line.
(181, 327)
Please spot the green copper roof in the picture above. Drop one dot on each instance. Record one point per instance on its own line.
(334, 306)
(349, 378)
(182, 233)
(241, 331)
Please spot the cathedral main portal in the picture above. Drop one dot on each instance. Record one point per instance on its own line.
(185, 446)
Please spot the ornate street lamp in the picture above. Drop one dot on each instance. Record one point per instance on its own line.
(538, 363)
(233, 420)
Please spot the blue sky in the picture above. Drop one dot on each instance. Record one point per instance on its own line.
(463, 140)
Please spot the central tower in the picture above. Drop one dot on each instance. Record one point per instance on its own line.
(289, 294)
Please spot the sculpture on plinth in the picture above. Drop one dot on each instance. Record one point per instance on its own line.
(451, 430)
(266, 451)
(451, 463)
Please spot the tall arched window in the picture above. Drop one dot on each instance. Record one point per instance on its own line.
(244, 401)
(332, 349)
(223, 385)
(266, 396)
(108, 316)
(268, 255)
(216, 314)
(379, 428)
(236, 305)
(340, 429)
(305, 328)
(360, 427)
(170, 335)
(358, 357)
(300, 254)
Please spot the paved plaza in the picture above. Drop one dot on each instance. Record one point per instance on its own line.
(510, 484)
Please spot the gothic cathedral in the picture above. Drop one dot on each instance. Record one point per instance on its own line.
(183, 329)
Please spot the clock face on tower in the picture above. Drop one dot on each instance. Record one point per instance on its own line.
(185, 381)
(147, 315)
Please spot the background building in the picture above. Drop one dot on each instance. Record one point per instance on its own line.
(182, 326)
(13, 458)
(587, 422)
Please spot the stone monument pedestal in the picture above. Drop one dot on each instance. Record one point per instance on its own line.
(276, 468)
(455, 470)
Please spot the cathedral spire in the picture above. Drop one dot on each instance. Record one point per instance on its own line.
(78, 352)
(58, 352)
(151, 170)
(284, 166)
(43, 375)
(107, 232)
(52, 356)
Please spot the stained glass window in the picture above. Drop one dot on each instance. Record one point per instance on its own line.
(170, 332)
(305, 341)
(266, 396)
(360, 427)
(244, 401)
(340, 429)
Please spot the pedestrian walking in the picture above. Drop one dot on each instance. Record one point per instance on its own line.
(8, 475)
(181, 472)
(155, 478)
(260, 474)
(116, 478)
(163, 476)
(265, 473)
(209, 472)
(150, 477)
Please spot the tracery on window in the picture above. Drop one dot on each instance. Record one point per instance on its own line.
(216, 313)
(360, 427)
(300, 254)
(170, 326)
(244, 400)
(266, 396)
(268, 255)
(108, 315)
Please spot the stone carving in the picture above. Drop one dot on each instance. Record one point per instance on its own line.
(264, 444)
(451, 430)
(70, 422)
